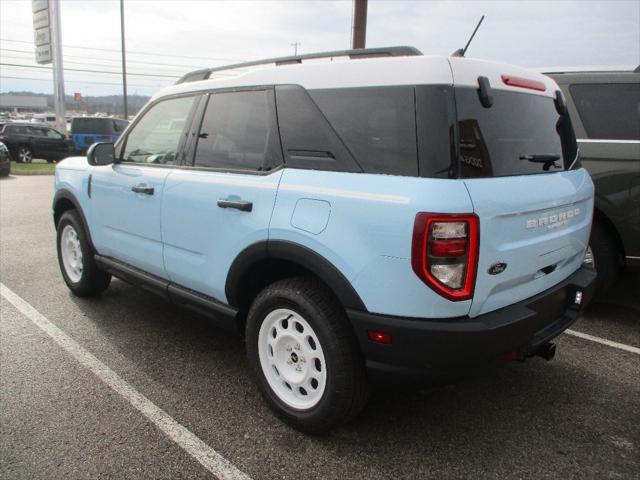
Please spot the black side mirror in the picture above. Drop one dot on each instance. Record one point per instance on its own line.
(101, 154)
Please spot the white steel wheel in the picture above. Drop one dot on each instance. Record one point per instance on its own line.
(292, 359)
(71, 252)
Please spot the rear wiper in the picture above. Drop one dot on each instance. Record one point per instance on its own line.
(546, 160)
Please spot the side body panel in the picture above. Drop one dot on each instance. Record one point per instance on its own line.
(363, 225)
(201, 239)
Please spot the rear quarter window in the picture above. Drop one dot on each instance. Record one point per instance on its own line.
(377, 124)
(609, 111)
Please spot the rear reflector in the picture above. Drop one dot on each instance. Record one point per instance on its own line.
(523, 83)
(379, 337)
(444, 253)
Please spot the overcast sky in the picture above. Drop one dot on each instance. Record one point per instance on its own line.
(185, 35)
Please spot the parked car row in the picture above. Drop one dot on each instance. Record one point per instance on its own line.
(26, 140)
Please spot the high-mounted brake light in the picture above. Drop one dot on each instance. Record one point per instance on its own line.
(523, 83)
(444, 253)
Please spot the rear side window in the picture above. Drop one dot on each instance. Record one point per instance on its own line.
(308, 140)
(377, 124)
(16, 130)
(517, 135)
(238, 132)
(609, 111)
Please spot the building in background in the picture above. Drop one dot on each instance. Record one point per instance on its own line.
(22, 103)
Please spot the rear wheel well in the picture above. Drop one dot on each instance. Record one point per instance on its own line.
(259, 276)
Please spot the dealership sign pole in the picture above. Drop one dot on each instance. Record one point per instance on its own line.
(48, 43)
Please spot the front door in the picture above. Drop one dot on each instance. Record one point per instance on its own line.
(126, 197)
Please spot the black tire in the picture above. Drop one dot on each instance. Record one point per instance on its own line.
(92, 281)
(24, 154)
(347, 389)
(49, 160)
(606, 257)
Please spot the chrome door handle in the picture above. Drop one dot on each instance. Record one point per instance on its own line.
(237, 204)
(142, 189)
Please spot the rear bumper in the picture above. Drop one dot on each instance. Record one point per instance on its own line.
(453, 346)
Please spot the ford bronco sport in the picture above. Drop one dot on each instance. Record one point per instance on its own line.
(357, 215)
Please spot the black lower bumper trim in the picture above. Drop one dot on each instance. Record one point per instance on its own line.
(458, 345)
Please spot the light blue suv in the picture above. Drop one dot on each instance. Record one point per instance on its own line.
(357, 216)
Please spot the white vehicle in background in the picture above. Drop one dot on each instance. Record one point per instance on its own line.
(48, 119)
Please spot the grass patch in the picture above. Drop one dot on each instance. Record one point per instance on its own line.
(36, 166)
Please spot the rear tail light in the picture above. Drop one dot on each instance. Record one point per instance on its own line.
(444, 253)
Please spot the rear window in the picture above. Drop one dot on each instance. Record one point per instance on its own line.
(95, 126)
(609, 111)
(519, 134)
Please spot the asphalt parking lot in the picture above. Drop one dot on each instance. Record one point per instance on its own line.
(574, 417)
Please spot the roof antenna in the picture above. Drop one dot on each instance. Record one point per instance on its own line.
(461, 51)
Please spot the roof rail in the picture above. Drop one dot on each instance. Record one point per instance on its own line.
(353, 54)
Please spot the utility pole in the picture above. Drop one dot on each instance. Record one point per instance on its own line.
(295, 46)
(58, 68)
(359, 28)
(124, 61)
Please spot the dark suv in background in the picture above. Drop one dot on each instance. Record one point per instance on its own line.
(27, 141)
(605, 109)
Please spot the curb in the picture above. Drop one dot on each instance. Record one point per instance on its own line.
(29, 173)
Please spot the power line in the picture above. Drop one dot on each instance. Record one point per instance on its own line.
(134, 52)
(81, 82)
(90, 64)
(113, 60)
(89, 71)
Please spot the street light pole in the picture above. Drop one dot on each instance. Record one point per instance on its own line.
(359, 28)
(58, 67)
(124, 61)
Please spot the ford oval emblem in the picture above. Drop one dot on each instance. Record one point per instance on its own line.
(497, 268)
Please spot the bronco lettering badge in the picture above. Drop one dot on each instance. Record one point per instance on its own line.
(554, 221)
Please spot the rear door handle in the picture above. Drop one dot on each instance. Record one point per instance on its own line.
(142, 189)
(237, 204)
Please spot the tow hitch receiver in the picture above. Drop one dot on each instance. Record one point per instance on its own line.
(546, 351)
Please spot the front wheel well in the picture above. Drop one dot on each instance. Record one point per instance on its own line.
(61, 206)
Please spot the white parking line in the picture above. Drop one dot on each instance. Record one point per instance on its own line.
(604, 341)
(203, 453)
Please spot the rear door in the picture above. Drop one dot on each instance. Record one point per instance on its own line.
(223, 202)
(519, 164)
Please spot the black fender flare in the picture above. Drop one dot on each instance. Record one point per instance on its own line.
(299, 255)
(65, 194)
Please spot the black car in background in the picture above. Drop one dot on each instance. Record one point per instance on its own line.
(605, 109)
(27, 141)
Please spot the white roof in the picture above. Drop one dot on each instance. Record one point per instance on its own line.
(344, 72)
